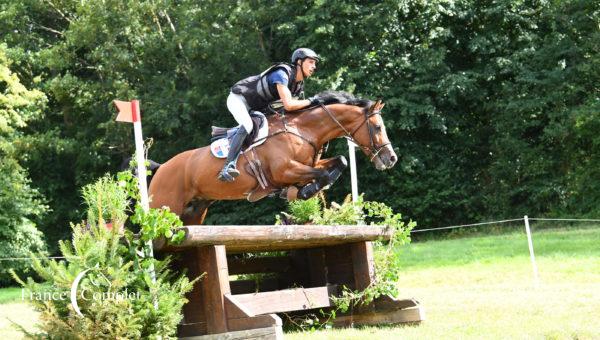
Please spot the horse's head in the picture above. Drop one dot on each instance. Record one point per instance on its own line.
(372, 138)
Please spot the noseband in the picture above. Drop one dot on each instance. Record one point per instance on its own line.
(373, 148)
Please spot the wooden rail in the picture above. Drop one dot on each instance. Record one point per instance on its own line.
(280, 237)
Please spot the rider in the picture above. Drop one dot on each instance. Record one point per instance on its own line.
(280, 81)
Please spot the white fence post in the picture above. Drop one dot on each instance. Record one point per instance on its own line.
(353, 179)
(531, 254)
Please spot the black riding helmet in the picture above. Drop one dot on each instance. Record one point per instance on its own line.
(303, 53)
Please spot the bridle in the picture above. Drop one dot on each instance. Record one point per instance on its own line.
(373, 148)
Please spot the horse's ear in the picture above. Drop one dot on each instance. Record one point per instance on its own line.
(378, 106)
(373, 108)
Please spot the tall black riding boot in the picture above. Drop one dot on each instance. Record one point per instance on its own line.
(229, 172)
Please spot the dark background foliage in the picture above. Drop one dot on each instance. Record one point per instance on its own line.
(492, 105)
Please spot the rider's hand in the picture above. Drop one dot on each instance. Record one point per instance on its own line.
(314, 101)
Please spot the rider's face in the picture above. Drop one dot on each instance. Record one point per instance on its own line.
(309, 66)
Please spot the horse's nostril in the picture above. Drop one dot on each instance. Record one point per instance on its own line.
(393, 158)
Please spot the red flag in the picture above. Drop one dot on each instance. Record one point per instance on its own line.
(129, 112)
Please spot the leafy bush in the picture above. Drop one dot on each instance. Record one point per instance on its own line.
(18, 233)
(105, 202)
(17, 241)
(305, 211)
(124, 292)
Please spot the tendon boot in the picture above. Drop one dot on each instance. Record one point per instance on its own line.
(229, 172)
(336, 172)
(309, 190)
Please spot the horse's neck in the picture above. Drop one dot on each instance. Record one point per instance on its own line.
(319, 127)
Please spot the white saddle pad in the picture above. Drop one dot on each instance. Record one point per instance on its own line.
(220, 147)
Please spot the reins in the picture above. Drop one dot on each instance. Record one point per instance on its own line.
(372, 148)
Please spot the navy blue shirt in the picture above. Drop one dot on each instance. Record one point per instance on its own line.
(278, 76)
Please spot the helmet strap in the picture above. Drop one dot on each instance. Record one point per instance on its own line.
(302, 68)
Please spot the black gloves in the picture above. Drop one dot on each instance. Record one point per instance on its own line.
(314, 101)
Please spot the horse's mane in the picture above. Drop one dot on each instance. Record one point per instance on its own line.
(341, 97)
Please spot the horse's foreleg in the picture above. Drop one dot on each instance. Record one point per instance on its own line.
(325, 173)
(294, 172)
(334, 167)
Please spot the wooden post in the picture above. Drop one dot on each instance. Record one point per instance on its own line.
(213, 261)
(317, 268)
(363, 264)
(193, 311)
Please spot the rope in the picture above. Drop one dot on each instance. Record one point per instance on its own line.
(467, 225)
(512, 220)
(28, 258)
(564, 219)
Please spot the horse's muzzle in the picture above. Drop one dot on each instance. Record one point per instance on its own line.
(386, 159)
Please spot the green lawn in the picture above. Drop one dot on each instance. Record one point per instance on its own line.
(482, 288)
(12, 309)
(10, 295)
(478, 287)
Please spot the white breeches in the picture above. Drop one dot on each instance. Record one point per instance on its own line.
(237, 105)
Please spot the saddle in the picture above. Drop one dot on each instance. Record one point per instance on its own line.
(221, 137)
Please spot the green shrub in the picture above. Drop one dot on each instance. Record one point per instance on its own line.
(105, 201)
(19, 204)
(305, 211)
(124, 292)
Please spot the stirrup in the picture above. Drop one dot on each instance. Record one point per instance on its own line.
(233, 172)
(228, 173)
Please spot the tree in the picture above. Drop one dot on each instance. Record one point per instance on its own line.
(20, 204)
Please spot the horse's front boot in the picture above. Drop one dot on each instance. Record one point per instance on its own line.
(309, 190)
(336, 172)
(229, 171)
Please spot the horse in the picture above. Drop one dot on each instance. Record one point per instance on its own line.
(289, 159)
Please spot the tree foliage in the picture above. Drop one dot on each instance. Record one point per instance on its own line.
(20, 203)
(492, 105)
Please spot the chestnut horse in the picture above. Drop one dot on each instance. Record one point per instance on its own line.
(290, 158)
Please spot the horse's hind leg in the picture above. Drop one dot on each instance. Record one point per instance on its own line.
(195, 212)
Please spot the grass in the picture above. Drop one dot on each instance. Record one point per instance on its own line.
(482, 287)
(11, 294)
(13, 310)
(475, 287)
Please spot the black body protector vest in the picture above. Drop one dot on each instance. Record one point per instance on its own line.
(259, 94)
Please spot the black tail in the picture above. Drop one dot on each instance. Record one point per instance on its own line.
(126, 165)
